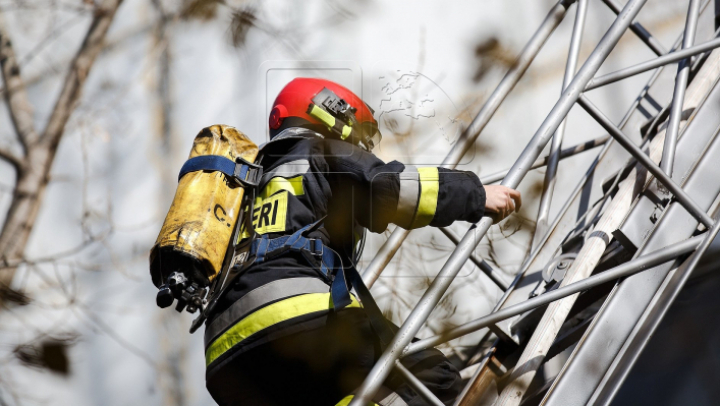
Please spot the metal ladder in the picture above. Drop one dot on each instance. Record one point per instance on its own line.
(652, 219)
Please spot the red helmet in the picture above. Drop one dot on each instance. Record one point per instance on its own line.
(325, 107)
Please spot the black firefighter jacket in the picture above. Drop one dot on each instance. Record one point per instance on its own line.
(308, 178)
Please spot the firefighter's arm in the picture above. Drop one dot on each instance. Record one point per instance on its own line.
(414, 197)
(375, 184)
(439, 196)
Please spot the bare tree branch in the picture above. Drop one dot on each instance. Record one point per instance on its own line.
(79, 69)
(11, 158)
(21, 111)
(33, 181)
(116, 42)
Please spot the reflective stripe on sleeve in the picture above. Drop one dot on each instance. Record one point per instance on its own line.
(429, 188)
(260, 296)
(268, 316)
(408, 198)
(418, 196)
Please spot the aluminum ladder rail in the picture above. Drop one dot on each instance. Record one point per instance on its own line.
(490, 353)
(515, 175)
(439, 285)
(483, 370)
(697, 154)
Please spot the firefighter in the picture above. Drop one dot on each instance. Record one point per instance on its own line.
(288, 331)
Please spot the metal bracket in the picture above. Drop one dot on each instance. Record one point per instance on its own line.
(247, 173)
(504, 335)
(642, 218)
(555, 270)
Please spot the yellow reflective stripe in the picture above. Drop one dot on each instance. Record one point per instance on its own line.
(322, 115)
(429, 187)
(347, 399)
(268, 316)
(346, 130)
(294, 186)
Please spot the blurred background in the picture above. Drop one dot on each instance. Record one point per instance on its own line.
(78, 320)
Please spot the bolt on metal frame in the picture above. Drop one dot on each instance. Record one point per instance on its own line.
(572, 93)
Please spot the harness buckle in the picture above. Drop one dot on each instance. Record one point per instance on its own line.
(247, 173)
(316, 247)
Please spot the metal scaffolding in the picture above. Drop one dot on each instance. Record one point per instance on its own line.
(655, 216)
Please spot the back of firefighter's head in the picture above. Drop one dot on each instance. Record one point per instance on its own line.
(327, 108)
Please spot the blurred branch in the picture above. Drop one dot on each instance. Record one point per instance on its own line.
(82, 309)
(55, 5)
(163, 87)
(14, 263)
(33, 180)
(242, 21)
(173, 348)
(11, 158)
(21, 111)
(117, 42)
(51, 37)
(79, 70)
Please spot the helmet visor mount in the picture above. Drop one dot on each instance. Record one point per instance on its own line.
(334, 105)
(339, 117)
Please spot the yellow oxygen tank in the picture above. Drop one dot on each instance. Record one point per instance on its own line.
(201, 220)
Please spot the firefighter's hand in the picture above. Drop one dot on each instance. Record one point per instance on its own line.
(501, 201)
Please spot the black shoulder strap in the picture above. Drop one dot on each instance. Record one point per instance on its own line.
(384, 330)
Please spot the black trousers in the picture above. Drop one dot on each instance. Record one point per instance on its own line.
(321, 366)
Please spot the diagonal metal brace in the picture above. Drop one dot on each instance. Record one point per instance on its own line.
(646, 162)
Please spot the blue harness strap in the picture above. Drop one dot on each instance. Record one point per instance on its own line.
(331, 267)
(242, 171)
(315, 252)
